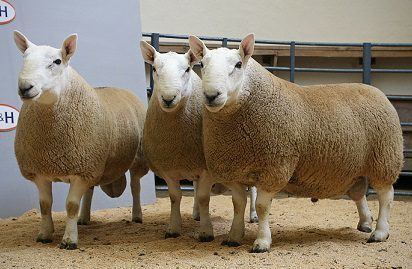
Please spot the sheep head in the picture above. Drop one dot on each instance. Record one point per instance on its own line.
(44, 72)
(171, 74)
(222, 71)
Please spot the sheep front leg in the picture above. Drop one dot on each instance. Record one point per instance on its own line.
(252, 213)
(237, 231)
(175, 194)
(385, 198)
(203, 195)
(45, 200)
(84, 217)
(195, 213)
(70, 238)
(137, 215)
(264, 237)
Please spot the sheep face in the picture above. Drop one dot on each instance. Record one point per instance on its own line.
(44, 72)
(222, 71)
(171, 74)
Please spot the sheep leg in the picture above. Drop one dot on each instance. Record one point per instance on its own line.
(70, 238)
(84, 217)
(385, 198)
(365, 216)
(252, 212)
(175, 194)
(135, 187)
(195, 213)
(237, 231)
(203, 194)
(45, 200)
(357, 193)
(264, 237)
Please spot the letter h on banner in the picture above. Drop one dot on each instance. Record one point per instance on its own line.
(3, 10)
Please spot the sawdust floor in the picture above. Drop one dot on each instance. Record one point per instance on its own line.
(305, 235)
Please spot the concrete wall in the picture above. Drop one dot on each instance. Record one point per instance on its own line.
(105, 56)
(315, 20)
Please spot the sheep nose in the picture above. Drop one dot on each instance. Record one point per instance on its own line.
(24, 89)
(211, 98)
(168, 101)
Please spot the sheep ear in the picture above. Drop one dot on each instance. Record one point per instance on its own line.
(247, 47)
(69, 47)
(197, 47)
(148, 52)
(21, 41)
(192, 58)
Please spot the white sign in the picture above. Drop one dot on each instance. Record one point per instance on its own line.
(8, 118)
(7, 12)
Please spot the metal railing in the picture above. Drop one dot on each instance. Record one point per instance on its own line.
(366, 69)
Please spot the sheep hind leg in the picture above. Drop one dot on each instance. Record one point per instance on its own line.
(358, 194)
(135, 176)
(252, 213)
(46, 200)
(84, 217)
(385, 198)
(203, 194)
(175, 224)
(195, 213)
(237, 230)
(77, 189)
(264, 237)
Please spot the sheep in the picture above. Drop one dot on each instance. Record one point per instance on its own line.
(313, 141)
(172, 135)
(70, 132)
(172, 141)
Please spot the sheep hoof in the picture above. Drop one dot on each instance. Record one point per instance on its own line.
(206, 238)
(68, 246)
(258, 249)
(196, 217)
(44, 240)
(137, 220)
(254, 219)
(377, 237)
(171, 235)
(364, 228)
(230, 243)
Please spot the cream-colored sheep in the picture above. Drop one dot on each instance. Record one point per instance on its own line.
(172, 140)
(314, 141)
(70, 132)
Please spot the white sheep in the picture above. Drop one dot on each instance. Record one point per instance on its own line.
(314, 141)
(70, 132)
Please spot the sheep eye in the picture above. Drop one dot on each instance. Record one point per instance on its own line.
(57, 61)
(187, 70)
(154, 69)
(201, 64)
(238, 65)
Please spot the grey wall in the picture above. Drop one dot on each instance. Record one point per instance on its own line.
(108, 54)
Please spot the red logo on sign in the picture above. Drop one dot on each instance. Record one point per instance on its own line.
(7, 12)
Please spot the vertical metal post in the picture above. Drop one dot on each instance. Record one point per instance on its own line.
(154, 41)
(367, 60)
(224, 42)
(292, 61)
